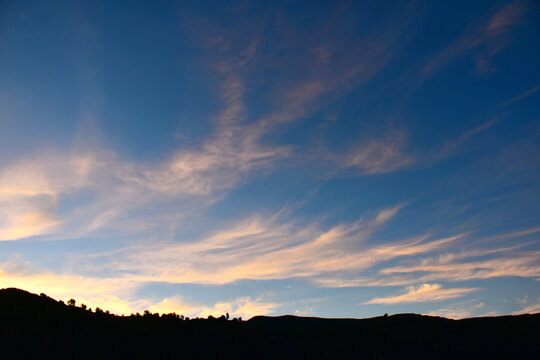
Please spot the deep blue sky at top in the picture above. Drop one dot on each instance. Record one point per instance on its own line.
(313, 115)
(150, 63)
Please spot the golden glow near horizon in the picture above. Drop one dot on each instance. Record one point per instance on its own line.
(312, 163)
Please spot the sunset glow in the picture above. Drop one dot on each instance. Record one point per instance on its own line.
(317, 158)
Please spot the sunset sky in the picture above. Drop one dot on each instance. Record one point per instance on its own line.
(314, 158)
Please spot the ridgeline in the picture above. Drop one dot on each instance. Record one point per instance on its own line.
(37, 326)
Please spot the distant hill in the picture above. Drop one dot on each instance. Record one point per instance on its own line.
(33, 326)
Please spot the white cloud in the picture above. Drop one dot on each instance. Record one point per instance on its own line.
(461, 310)
(530, 309)
(423, 293)
(245, 307)
(27, 218)
(175, 304)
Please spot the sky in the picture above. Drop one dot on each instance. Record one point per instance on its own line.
(313, 158)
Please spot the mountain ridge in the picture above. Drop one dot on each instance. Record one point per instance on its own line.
(32, 325)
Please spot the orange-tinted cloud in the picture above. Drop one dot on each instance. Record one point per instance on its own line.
(259, 248)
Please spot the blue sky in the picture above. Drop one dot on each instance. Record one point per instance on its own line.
(335, 159)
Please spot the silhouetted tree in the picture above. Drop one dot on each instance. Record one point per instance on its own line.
(227, 316)
(71, 302)
(83, 306)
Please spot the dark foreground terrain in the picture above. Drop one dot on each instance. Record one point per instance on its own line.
(34, 326)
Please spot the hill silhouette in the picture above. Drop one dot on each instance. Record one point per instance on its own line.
(37, 326)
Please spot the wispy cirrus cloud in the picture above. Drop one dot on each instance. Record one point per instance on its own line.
(390, 153)
(329, 64)
(423, 293)
(420, 261)
(34, 189)
(520, 97)
(525, 264)
(453, 146)
(263, 248)
(257, 248)
(326, 62)
(112, 187)
(266, 248)
(485, 37)
(379, 156)
(25, 223)
(46, 174)
(115, 189)
(341, 256)
(30, 190)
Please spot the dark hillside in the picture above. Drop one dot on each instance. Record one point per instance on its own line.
(32, 326)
